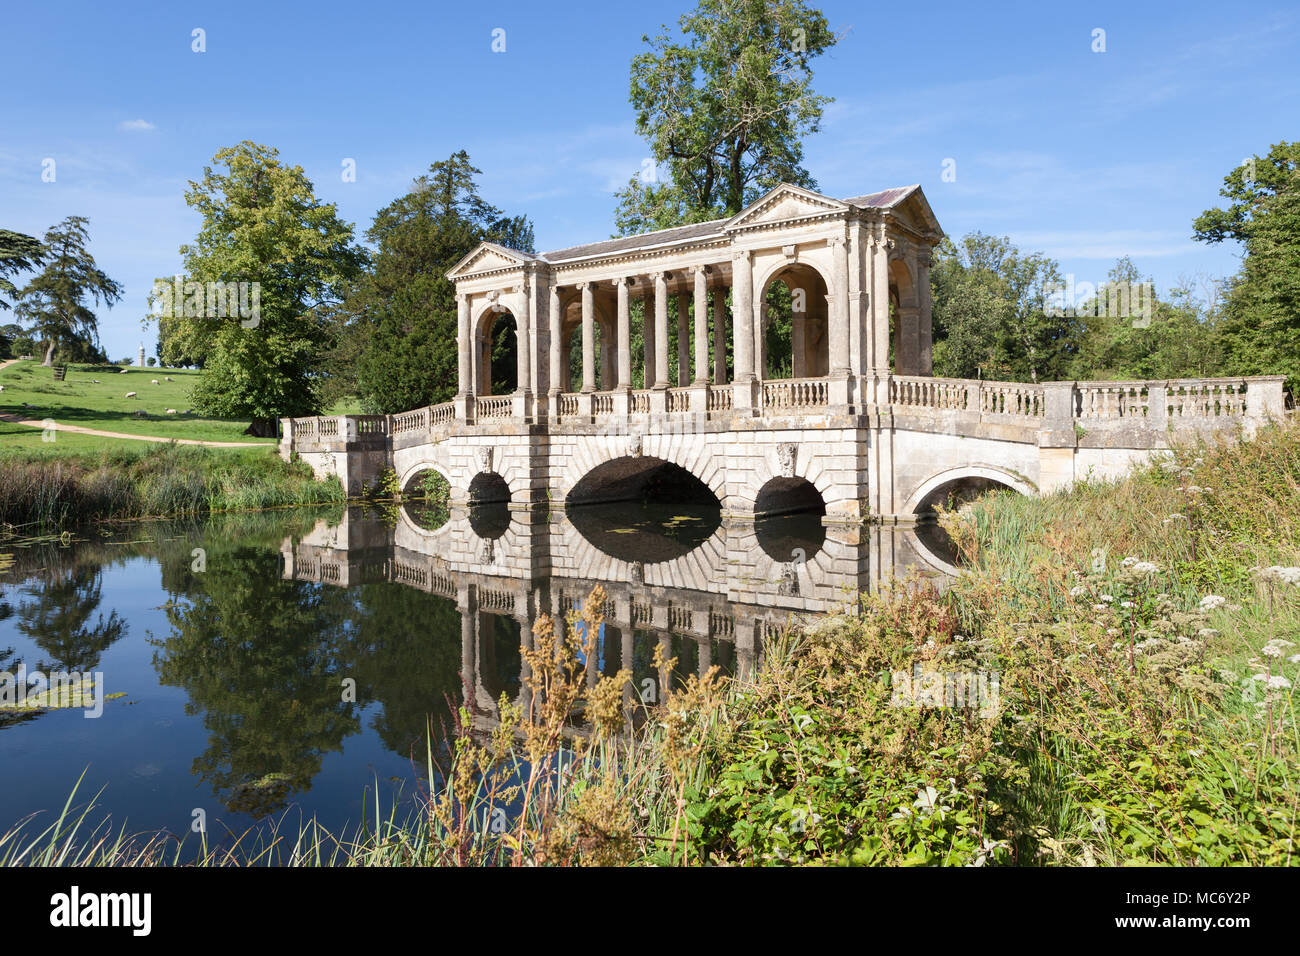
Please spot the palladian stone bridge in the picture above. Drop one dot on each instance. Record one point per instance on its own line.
(856, 425)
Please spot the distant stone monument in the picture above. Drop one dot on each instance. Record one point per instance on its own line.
(140, 359)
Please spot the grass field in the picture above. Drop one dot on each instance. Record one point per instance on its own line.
(94, 396)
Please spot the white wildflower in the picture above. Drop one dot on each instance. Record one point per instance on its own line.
(1212, 602)
(1145, 567)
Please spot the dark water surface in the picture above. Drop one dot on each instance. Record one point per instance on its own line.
(235, 643)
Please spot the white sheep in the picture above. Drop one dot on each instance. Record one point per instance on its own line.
(171, 411)
(126, 371)
(130, 394)
(153, 381)
(168, 377)
(95, 380)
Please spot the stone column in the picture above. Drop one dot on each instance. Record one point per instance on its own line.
(719, 336)
(661, 330)
(683, 341)
(557, 376)
(838, 324)
(799, 341)
(588, 339)
(523, 339)
(648, 337)
(742, 320)
(701, 325)
(880, 314)
(624, 335)
(925, 318)
(465, 383)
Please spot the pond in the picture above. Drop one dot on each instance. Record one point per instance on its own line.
(294, 663)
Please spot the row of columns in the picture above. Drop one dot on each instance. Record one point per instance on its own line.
(655, 333)
(913, 346)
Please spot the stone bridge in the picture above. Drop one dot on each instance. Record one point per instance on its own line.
(596, 404)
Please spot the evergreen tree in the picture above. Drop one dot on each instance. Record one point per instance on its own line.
(402, 317)
(56, 302)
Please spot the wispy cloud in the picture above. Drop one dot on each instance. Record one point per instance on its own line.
(136, 125)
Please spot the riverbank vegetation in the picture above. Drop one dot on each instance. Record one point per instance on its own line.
(52, 490)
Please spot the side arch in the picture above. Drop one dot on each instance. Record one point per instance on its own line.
(985, 472)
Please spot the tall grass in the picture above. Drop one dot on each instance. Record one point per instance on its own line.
(157, 481)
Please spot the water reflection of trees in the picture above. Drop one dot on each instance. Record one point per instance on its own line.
(263, 662)
(60, 616)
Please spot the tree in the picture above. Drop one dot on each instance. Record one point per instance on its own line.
(263, 225)
(990, 316)
(18, 253)
(402, 317)
(725, 108)
(54, 302)
(1261, 324)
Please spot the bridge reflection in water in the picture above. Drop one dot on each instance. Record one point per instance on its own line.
(708, 591)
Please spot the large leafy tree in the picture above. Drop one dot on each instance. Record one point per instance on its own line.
(57, 303)
(725, 108)
(18, 253)
(990, 315)
(402, 316)
(1261, 324)
(263, 223)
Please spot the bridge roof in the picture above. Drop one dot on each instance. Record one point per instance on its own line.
(694, 232)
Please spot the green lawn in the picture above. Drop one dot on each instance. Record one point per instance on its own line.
(29, 443)
(81, 400)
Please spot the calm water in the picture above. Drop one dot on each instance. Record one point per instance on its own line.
(234, 643)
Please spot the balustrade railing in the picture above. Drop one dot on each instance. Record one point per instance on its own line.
(795, 393)
(678, 400)
(1011, 398)
(568, 403)
(919, 391)
(1202, 398)
(494, 406)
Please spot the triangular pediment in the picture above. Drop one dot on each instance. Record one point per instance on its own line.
(783, 204)
(915, 210)
(488, 257)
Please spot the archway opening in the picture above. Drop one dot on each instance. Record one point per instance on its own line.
(425, 499)
(488, 488)
(641, 479)
(795, 342)
(499, 361)
(952, 496)
(788, 519)
(789, 496)
(644, 510)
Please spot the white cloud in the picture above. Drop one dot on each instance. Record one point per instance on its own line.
(136, 125)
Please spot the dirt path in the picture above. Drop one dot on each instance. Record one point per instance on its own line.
(22, 420)
(7, 362)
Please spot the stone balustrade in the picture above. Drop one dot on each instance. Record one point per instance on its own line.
(1132, 414)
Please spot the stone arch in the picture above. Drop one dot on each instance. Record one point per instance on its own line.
(905, 317)
(987, 473)
(690, 452)
(810, 336)
(484, 326)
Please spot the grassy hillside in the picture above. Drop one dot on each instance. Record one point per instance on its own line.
(94, 396)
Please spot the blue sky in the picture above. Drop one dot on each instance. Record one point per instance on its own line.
(1084, 156)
